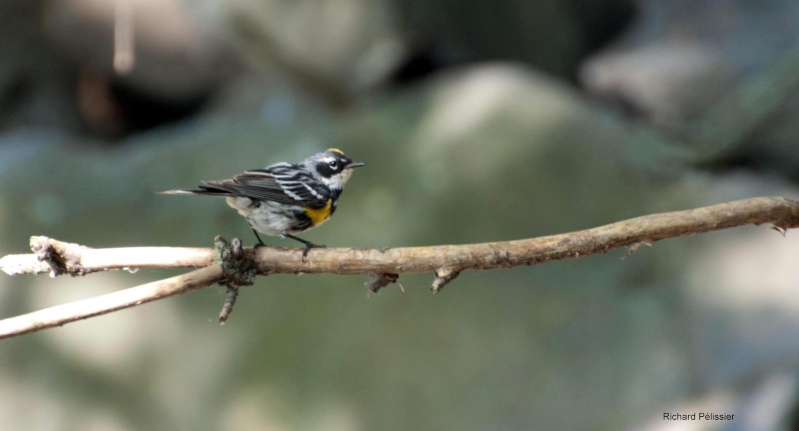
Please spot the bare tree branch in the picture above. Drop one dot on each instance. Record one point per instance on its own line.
(79, 260)
(384, 265)
(83, 309)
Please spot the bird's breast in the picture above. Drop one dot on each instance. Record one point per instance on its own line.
(320, 215)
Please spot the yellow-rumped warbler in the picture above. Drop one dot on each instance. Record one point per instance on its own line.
(285, 198)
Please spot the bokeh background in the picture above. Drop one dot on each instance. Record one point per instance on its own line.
(478, 121)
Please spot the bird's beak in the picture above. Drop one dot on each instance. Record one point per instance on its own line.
(351, 165)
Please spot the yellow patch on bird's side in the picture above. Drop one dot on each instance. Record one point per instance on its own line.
(319, 215)
(336, 150)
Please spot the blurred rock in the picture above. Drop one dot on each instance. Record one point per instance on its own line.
(344, 51)
(36, 84)
(719, 75)
(338, 50)
(310, 55)
(551, 35)
(172, 64)
(174, 54)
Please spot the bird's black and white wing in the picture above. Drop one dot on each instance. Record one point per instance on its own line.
(282, 183)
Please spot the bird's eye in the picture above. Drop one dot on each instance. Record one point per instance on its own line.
(333, 164)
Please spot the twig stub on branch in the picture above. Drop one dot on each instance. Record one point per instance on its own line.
(379, 281)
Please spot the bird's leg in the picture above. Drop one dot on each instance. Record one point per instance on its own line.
(260, 241)
(308, 244)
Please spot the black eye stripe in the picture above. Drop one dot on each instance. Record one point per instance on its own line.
(325, 170)
(330, 165)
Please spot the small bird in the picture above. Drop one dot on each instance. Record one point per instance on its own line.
(285, 199)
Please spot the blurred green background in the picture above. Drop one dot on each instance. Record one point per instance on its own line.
(478, 121)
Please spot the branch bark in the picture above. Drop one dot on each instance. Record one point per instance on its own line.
(75, 259)
(83, 309)
(446, 261)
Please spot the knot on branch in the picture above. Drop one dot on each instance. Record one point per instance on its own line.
(237, 270)
(61, 257)
(443, 277)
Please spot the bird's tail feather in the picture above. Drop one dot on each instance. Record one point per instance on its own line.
(203, 190)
